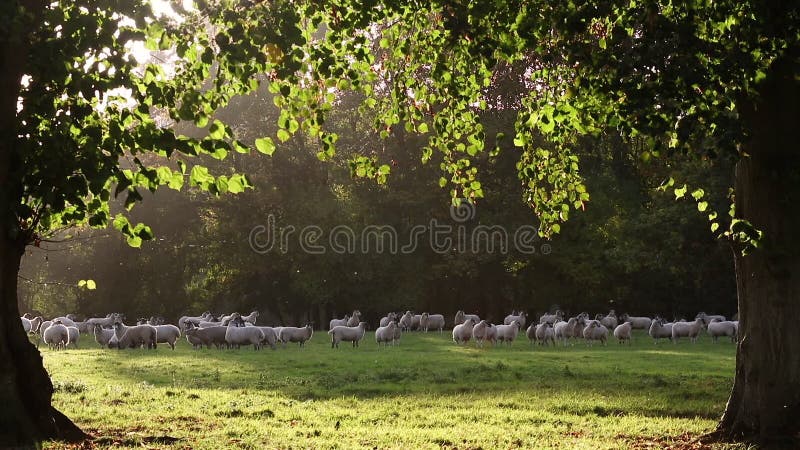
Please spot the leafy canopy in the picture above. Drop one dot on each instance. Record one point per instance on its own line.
(93, 123)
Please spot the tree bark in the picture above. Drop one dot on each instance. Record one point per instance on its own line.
(765, 401)
(26, 414)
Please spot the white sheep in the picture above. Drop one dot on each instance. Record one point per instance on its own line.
(349, 334)
(199, 337)
(56, 336)
(66, 321)
(609, 321)
(637, 323)
(167, 334)
(595, 331)
(388, 318)
(270, 336)
(432, 322)
(719, 328)
(520, 317)
(339, 322)
(251, 318)
(74, 336)
(406, 322)
(238, 335)
(709, 318)
(531, 333)
(135, 336)
(687, 329)
(184, 320)
(355, 318)
(623, 332)
(387, 334)
(551, 318)
(660, 329)
(461, 318)
(463, 331)
(565, 330)
(104, 336)
(105, 322)
(545, 333)
(508, 333)
(31, 325)
(480, 332)
(300, 335)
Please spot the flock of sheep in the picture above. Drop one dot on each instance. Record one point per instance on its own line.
(235, 330)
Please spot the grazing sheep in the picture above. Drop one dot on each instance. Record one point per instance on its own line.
(349, 334)
(709, 318)
(300, 335)
(406, 322)
(83, 327)
(479, 332)
(182, 322)
(56, 336)
(432, 322)
(463, 331)
(167, 334)
(389, 318)
(637, 323)
(687, 329)
(623, 332)
(551, 318)
(104, 336)
(531, 333)
(251, 318)
(461, 318)
(105, 322)
(387, 334)
(270, 337)
(609, 321)
(31, 325)
(520, 317)
(199, 337)
(65, 320)
(209, 324)
(74, 336)
(595, 331)
(719, 328)
(508, 333)
(659, 329)
(136, 336)
(355, 318)
(565, 330)
(339, 322)
(545, 333)
(238, 334)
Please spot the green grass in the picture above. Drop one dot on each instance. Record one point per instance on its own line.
(425, 393)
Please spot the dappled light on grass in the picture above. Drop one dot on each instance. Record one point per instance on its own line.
(424, 393)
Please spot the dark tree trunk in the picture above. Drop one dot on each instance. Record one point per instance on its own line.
(26, 414)
(765, 400)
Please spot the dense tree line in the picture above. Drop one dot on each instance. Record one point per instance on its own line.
(634, 249)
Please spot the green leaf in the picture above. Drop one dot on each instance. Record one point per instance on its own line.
(283, 135)
(680, 192)
(216, 130)
(422, 128)
(702, 206)
(91, 285)
(265, 145)
(698, 194)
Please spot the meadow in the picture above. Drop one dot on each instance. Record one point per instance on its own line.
(425, 393)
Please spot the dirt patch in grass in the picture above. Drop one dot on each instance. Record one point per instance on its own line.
(686, 441)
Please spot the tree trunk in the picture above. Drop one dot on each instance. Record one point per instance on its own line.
(26, 414)
(25, 389)
(765, 401)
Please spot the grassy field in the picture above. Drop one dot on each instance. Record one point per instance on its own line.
(425, 393)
